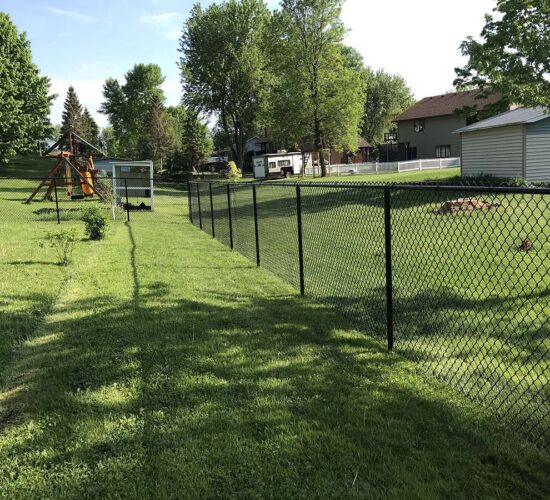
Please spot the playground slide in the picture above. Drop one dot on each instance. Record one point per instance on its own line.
(86, 183)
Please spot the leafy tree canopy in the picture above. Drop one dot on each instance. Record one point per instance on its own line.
(512, 56)
(224, 65)
(24, 95)
(318, 95)
(128, 107)
(196, 141)
(387, 96)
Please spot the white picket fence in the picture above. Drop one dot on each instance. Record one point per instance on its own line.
(386, 167)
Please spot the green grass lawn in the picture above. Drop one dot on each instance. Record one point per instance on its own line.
(29, 165)
(470, 307)
(415, 176)
(160, 364)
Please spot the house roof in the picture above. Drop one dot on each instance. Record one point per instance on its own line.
(518, 116)
(448, 104)
(363, 143)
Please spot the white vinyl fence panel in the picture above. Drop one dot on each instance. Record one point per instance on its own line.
(387, 167)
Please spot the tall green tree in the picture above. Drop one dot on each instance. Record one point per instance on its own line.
(224, 66)
(196, 141)
(128, 107)
(317, 97)
(89, 128)
(513, 55)
(108, 142)
(387, 96)
(160, 133)
(25, 101)
(71, 118)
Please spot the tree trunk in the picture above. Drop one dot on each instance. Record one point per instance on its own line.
(230, 133)
(314, 87)
(319, 146)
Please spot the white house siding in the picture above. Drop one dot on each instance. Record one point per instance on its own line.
(497, 152)
(538, 151)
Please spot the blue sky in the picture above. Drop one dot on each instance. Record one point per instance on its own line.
(82, 42)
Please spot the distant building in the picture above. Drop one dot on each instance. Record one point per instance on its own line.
(511, 144)
(425, 130)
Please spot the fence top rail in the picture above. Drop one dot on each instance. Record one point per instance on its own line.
(392, 186)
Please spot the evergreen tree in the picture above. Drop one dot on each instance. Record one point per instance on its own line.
(24, 100)
(72, 113)
(89, 128)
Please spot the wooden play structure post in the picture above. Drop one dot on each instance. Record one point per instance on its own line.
(71, 162)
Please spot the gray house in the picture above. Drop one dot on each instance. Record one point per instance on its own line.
(512, 144)
(426, 129)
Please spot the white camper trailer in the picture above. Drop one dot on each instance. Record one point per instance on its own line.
(279, 165)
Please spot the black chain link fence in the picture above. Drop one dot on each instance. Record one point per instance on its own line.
(455, 278)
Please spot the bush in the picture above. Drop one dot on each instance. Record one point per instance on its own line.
(95, 222)
(233, 173)
(63, 242)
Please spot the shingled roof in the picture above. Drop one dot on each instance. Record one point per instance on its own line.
(448, 104)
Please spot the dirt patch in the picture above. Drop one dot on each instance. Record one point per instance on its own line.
(464, 205)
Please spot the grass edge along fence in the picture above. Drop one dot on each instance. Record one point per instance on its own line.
(455, 278)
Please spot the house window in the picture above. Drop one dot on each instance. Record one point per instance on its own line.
(443, 151)
(419, 125)
(283, 163)
(272, 164)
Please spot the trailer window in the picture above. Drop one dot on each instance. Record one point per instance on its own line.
(272, 164)
(284, 163)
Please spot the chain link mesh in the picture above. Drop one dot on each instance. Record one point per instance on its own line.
(471, 267)
(470, 276)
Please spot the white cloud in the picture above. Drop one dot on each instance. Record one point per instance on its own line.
(418, 40)
(172, 90)
(76, 16)
(162, 19)
(172, 34)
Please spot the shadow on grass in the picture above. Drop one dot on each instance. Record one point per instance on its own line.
(247, 396)
(32, 262)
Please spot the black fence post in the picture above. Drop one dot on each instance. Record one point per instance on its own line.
(212, 210)
(56, 201)
(389, 277)
(256, 232)
(230, 217)
(199, 205)
(127, 202)
(189, 201)
(300, 241)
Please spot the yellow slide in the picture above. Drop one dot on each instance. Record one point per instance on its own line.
(86, 183)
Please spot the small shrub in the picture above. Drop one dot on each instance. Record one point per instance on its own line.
(233, 172)
(95, 222)
(63, 242)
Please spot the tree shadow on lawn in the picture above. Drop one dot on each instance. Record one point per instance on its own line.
(273, 395)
